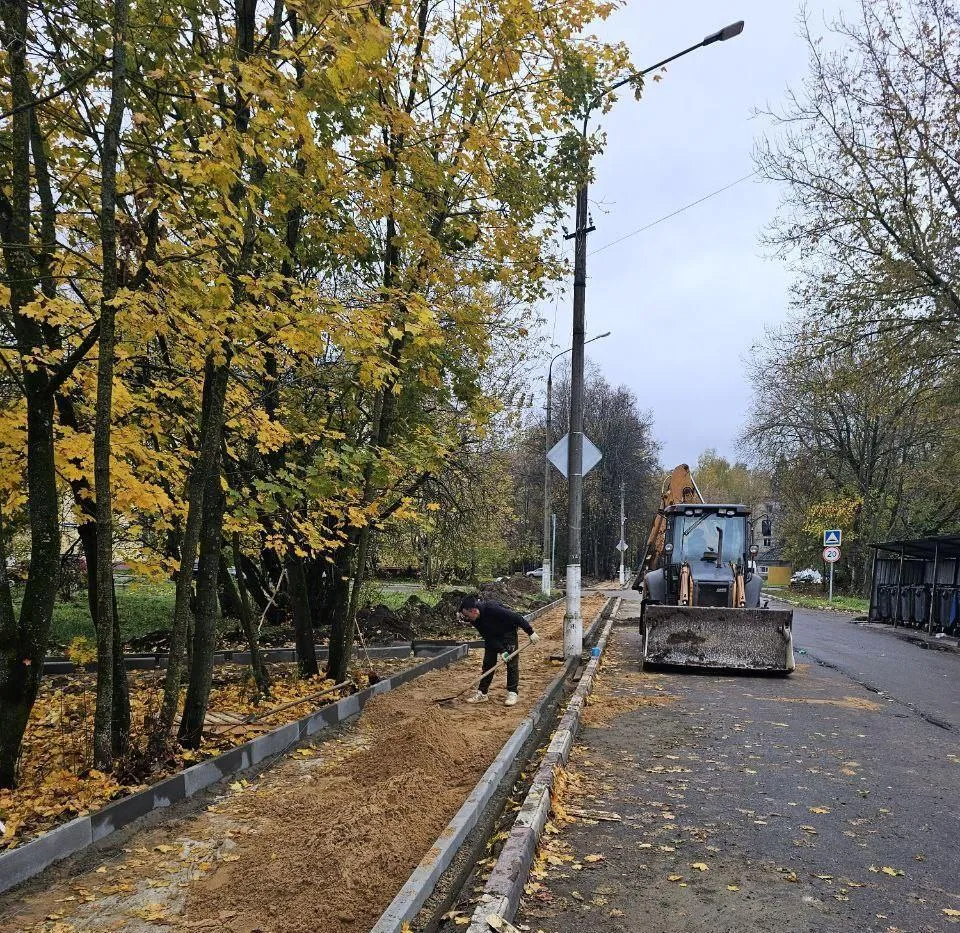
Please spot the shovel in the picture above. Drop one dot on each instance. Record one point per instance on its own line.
(443, 701)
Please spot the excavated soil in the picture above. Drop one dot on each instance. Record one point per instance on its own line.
(324, 839)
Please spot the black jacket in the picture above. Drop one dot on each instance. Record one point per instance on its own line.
(496, 620)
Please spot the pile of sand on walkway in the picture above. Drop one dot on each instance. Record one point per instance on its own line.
(333, 847)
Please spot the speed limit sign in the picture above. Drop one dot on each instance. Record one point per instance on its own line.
(831, 554)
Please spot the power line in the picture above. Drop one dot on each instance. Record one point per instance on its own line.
(679, 210)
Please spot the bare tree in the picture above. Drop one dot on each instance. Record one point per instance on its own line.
(869, 154)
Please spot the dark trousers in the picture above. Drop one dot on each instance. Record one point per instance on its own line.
(492, 649)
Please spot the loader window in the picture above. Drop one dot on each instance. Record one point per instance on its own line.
(698, 538)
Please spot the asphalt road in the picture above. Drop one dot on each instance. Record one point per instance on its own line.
(882, 660)
(781, 805)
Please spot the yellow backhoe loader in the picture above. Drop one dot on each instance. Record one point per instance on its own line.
(701, 592)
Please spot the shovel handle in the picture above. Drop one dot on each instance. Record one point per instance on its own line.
(490, 670)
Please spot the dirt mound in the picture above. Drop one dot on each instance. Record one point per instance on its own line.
(517, 591)
(414, 619)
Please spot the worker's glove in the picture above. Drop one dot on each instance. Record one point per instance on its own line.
(534, 638)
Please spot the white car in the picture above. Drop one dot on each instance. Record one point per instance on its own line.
(807, 576)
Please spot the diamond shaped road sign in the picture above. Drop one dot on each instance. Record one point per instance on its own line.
(622, 546)
(558, 454)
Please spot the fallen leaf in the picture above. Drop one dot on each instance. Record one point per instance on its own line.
(700, 866)
(674, 877)
(819, 809)
(950, 912)
(733, 887)
(593, 858)
(164, 849)
(809, 829)
(893, 872)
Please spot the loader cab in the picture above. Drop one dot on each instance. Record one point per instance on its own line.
(714, 541)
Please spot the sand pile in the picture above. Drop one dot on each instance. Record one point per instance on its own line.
(321, 841)
(340, 843)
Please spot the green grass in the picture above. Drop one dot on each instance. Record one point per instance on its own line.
(395, 600)
(142, 607)
(806, 601)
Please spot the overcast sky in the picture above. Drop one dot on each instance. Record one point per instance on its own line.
(686, 299)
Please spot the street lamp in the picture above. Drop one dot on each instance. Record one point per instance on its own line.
(546, 581)
(572, 620)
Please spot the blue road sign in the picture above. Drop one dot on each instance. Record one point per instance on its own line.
(832, 537)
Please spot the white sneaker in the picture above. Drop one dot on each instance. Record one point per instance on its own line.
(478, 697)
(511, 699)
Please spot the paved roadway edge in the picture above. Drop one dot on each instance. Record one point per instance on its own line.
(504, 887)
(423, 880)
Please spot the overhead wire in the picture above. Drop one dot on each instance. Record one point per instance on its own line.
(672, 214)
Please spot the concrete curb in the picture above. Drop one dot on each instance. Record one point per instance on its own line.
(504, 887)
(20, 864)
(421, 883)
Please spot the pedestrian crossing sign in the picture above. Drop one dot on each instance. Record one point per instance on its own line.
(832, 537)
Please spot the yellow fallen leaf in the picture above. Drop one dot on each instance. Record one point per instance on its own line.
(893, 872)
(700, 866)
(950, 912)
(733, 887)
(150, 912)
(164, 849)
(674, 877)
(809, 829)
(230, 858)
(819, 809)
(593, 858)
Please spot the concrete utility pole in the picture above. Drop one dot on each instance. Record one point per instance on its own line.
(623, 576)
(573, 620)
(546, 580)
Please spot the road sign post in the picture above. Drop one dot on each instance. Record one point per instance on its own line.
(831, 554)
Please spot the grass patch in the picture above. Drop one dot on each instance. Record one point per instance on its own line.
(806, 601)
(394, 601)
(143, 608)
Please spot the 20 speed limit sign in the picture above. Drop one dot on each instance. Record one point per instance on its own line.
(831, 554)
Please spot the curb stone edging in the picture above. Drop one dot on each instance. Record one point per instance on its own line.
(27, 860)
(504, 887)
(420, 885)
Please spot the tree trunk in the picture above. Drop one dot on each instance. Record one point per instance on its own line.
(302, 620)
(230, 606)
(205, 623)
(23, 642)
(103, 732)
(215, 380)
(260, 673)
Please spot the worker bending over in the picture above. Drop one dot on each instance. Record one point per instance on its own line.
(497, 626)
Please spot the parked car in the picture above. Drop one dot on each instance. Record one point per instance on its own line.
(535, 573)
(807, 576)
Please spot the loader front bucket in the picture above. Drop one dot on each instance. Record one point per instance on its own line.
(725, 639)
